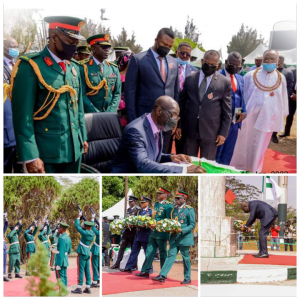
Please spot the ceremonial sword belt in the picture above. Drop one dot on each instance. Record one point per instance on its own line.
(54, 244)
(30, 242)
(96, 244)
(45, 242)
(14, 243)
(82, 244)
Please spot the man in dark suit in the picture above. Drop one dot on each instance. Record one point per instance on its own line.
(106, 239)
(141, 150)
(233, 64)
(152, 74)
(129, 234)
(292, 107)
(205, 109)
(289, 85)
(183, 54)
(267, 215)
(11, 53)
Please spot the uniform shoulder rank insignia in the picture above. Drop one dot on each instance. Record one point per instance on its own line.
(75, 61)
(91, 62)
(28, 56)
(188, 206)
(111, 63)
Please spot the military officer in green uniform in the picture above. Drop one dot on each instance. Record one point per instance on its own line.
(64, 247)
(101, 79)
(14, 251)
(29, 235)
(95, 250)
(84, 52)
(43, 236)
(53, 240)
(162, 210)
(84, 255)
(47, 102)
(180, 240)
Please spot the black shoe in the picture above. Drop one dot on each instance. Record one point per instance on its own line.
(94, 285)
(256, 254)
(98, 281)
(5, 279)
(284, 135)
(9, 276)
(159, 278)
(18, 276)
(77, 291)
(114, 267)
(126, 270)
(142, 274)
(261, 256)
(134, 269)
(186, 281)
(87, 290)
(275, 139)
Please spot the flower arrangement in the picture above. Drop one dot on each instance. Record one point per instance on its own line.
(116, 226)
(167, 225)
(238, 224)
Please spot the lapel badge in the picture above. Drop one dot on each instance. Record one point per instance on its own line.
(48, 61)
(74, 71)
(171, 65)
(210, 96)
(272, 94)
(91, 62)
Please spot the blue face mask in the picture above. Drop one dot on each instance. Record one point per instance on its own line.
(182, 62)
(13, 52)
(269, 67)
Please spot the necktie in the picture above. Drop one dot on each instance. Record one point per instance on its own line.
(202, 88)
(233, 83)
(162, 69)
(181, 78)
(156, 136)
(63, 66)
(12, 62)
(101, 68)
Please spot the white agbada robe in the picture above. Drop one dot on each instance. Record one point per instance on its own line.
(265, 115)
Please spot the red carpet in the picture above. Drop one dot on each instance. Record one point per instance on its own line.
(120, 282)
(279, 162)
(16, 288)
(272, 260)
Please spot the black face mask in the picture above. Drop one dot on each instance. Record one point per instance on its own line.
(232, 69)
(162, 51)
(68, 50)
(208, 69)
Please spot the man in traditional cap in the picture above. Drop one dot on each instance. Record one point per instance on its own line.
(101, 79)
(258, 62)
(84, 52)
(47, 102)
(64, 247)
(14, 250)
(29, 235)
(84, 254)
(142, 236)
(5, 246)
(95, 255)
(162, 210)
(129, 233)
(53, 240)
(181, 240)
(43, 236)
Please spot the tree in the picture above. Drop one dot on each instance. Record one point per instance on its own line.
(83, 192)
(122, 40)
(32, 196)
(245, 41)
(21, 25)
(292, 214)
(243, 192)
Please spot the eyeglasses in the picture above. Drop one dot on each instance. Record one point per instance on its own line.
(233, 65)
(182, 53)
(173, 116)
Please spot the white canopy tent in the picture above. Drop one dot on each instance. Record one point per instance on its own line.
(290, 56)
(118, 208)
(197, 53)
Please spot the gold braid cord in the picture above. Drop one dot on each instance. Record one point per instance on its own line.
(6, 88)
(56, 93)
(95, 89)
(267, 88)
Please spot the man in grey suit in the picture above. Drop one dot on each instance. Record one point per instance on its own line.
(205, 109)
(151, 74)
(267, 215)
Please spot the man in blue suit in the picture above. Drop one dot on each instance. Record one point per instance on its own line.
(267, 215)
(140, 150)
(5, 247)
(151, 74)
(142, 236)
(183, 54)
(232, 66)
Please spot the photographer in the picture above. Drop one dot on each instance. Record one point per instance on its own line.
(288, 230)
(275, 229)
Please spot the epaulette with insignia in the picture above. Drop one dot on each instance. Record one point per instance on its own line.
(111, 63)
(168, 202)
(75, 61)
(188, 206)
(84, 61)
(28, 56)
